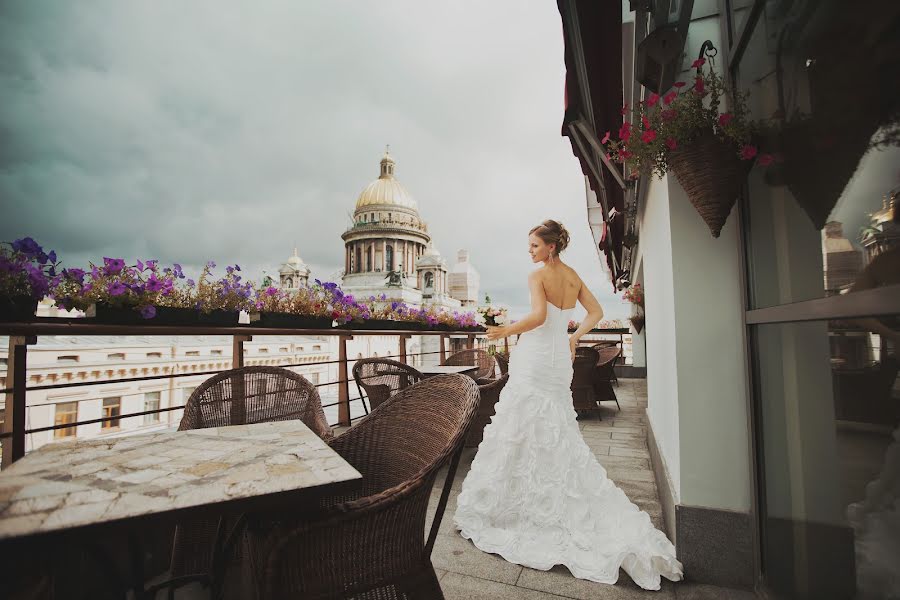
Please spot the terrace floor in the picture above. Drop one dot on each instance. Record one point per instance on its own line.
(619, 442)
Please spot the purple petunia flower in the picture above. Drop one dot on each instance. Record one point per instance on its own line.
(52, 256)
(148, 312)
(116, 288)
(190, 283)
(271, 291)
(178, 272)
(27, 246)
(140, 265)
(237, 267)
(113, 265)
(154, 284)
(211, 265)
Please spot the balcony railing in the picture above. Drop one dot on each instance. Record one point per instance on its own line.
(22, 335)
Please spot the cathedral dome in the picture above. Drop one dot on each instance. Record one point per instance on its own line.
(386, 190)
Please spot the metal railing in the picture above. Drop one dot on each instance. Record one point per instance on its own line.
(22, 335)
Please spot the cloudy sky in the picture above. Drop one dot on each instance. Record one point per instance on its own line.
(190, 131)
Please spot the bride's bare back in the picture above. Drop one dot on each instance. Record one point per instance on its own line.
(562, 285)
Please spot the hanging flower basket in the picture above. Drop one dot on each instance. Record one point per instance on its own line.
(17, 309)
(637, 317)
(712, 176)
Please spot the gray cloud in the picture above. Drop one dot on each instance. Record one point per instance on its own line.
(191, 131)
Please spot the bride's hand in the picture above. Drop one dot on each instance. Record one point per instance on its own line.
(496, 333)
(573, 343)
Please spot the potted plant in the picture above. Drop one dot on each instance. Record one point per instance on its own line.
(220, 301)
(25, 275)
(386, 314)
(493, 316)
(684, 131)
(115, 293)
(310, 307)
(635, 295)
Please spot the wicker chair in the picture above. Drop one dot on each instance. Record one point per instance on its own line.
(502, 359)
(490, 394)
(602, 346)
(583, 398)
(370, 544)
(604, 374)
(475, 357)
(381, 378)
(255, 394)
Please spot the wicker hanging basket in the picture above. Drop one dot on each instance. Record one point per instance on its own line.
(711, 173)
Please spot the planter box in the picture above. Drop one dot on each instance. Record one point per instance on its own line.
(165, 315)
(287, 320)
(221, 318)
(383, 324)
(17, 308)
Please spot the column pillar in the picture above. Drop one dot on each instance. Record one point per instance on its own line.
(383, 256)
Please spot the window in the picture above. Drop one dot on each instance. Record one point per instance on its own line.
(192, 353)
(151, 402)
(112, 408)
(154, 355)
(263, 350)
(429, 279)
(216, 352)
(116, 356)
(67, 358)
(66, 412)
(317, 347)
(389, 257)
(283, 349)
(314, 378)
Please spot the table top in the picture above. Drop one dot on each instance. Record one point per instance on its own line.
(446, 369)
(68, 485)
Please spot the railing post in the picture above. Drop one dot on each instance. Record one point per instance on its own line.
(14, 421)
(344, 382)
(443, 348)
(506, 345)
(238, 398)
(402, 353)
(470, 341)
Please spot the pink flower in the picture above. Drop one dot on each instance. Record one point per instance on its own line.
(699, 86)
(605, 138)
(748, 152)
(625, 154)
(725, 119)
(698, 63)
(678, 84)
(669, 98)
(652, 99)
(671, 143)
(625, 131)
(645, 121)
(648, 136)
(765, 160)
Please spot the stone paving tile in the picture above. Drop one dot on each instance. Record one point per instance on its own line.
(633, 452)
(462, 587)
(559, 581)
(455, 554)
(697, 591)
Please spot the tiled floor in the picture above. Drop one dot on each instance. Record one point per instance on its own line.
(619, 442)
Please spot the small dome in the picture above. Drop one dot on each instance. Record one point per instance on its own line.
(386, 190)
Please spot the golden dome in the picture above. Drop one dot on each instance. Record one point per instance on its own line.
(386, 190)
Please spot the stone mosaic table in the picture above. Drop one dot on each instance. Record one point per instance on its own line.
(73, 485)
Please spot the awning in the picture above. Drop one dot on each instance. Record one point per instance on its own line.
(593, 100)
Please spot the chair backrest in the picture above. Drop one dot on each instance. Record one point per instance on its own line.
(375, 536)
(502, 361)
(607, 356)
(583, 367)
(381, 378)
(474, 357)
(255, 394)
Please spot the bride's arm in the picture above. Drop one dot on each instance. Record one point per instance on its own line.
(594, 314)
(533, 319)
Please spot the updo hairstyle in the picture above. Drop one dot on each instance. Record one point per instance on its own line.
(552, 232)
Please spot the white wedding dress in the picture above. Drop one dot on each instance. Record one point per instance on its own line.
(536, 495)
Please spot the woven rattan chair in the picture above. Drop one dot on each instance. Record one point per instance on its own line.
(381, 378)
(502, 361)
(603, 346)
(371, 543)
(583, 398)
(604, 374)
(255, 394)
(490, 394)
(474, 357)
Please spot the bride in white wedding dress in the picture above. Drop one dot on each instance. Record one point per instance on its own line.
(535, 494)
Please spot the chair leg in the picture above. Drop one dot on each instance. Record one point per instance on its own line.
(362, 398)
(423, 586)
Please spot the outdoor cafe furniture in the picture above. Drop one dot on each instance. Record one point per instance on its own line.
(583, 378)
(604, 346)
(370, 543)
(432, 370)
(489, 391)
(255, 394)
(604, 374)
(66, 496)
(502, 362)
(381, 378)
(484, 362)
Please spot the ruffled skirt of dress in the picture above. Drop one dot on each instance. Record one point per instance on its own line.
(537, 496)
